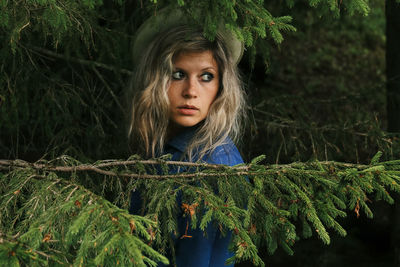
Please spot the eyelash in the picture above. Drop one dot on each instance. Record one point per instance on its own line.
(211, 76)
(182, 76)
(178, 78)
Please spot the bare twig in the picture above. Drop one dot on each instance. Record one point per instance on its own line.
(235, 170)
(70, 194)
(80, 61)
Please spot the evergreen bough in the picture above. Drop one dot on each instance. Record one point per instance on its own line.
(66, 212)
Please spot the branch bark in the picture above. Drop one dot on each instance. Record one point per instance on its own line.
(235, 170)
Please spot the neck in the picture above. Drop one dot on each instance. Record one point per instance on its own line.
(173, 130)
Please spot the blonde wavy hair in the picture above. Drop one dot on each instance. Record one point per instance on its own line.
(150, 106)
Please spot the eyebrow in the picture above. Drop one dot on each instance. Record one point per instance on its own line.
(209, 68)
(204, 69)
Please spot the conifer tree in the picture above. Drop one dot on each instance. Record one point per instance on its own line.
(65, 67)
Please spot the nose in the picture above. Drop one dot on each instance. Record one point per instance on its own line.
(190, 89)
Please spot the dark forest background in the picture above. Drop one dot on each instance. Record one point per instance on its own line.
(324, 95)
(320, 94)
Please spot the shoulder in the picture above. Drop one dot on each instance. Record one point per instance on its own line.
(226, 154)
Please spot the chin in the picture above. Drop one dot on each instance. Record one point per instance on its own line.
(186, 123)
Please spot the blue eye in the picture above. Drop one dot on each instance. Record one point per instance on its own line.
(178, 75)
(207, 77)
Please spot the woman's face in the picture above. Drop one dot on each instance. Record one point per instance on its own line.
(194, 87)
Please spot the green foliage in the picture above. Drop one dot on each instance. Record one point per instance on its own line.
(322, 94)
(63, 219)
(71, 19)
(64, 71)
(74, 60)
(51, 208)
(14, 253)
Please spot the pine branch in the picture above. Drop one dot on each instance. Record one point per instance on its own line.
(17, 251)
(284, 202)
(237, 170)
(70, 218)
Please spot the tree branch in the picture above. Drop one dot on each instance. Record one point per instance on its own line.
(14, 239)
(235, 170)
(80, 61)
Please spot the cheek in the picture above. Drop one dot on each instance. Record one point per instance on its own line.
(211, 99)
(217, 89)
(215, 94)
(171, 93)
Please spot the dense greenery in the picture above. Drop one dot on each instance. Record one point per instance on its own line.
(78, 58)
(65, 71)
(56, 218)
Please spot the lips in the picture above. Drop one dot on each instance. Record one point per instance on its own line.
(187, 109)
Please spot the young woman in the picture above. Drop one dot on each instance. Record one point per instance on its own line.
(189, 103)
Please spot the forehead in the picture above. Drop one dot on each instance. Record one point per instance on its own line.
(202, 59)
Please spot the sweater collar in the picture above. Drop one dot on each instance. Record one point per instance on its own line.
(181, 140)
